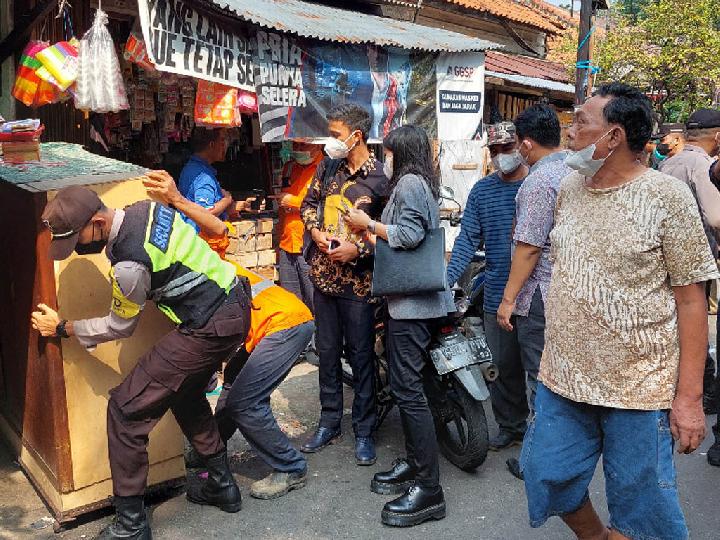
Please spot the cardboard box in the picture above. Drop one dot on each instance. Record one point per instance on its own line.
(247, 260)
(19, 152)
(266, 258)
(268, 272)
(264, 225)
(243, 228)
(242, 245)
(263, 241)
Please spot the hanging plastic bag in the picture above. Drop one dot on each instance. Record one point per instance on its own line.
(136, 52)
(216, 105)
(29, 88)
(100, 87)
(59, 64)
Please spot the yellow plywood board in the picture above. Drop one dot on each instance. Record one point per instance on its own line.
(84, 291)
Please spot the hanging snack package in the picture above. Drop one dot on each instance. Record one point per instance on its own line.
(216, 105)
(136, 53)
(59, 64)
(100, 87)
(29, 88)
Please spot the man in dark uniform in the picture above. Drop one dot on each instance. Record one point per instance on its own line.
(154, 255)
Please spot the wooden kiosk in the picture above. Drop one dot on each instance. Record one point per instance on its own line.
(53, 393)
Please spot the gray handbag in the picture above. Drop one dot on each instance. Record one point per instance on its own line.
(405, 272)
(410, 271)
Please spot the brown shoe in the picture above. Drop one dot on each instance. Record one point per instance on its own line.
(278, 484)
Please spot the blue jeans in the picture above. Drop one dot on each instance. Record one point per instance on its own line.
(560, 453)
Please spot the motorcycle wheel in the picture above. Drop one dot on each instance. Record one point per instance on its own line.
(461, 428)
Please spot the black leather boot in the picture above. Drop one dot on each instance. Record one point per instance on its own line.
(395, 481)
(220, 489)
(418, 504)
(130, 521)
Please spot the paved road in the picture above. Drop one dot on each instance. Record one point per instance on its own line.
(337, 502)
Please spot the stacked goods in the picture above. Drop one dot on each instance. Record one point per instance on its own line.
(20, 140)
(251, 246)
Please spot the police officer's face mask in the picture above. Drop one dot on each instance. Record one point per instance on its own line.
(92, 247)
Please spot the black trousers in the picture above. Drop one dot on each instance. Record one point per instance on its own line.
(346, 325)
(407, 343)
(172, 376)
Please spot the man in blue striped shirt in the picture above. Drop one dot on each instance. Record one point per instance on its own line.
(489, 215)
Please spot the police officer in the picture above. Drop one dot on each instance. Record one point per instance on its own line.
(154, 255)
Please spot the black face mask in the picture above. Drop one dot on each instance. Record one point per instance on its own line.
(91, 248)
(663, 149)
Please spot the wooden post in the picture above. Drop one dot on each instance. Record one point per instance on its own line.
(583, 53)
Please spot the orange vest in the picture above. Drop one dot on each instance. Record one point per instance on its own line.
(291, 226)
(273, 308)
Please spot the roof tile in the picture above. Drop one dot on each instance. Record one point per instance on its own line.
(514, 11)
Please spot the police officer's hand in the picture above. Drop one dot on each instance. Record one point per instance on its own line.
(161, 187)
(344, 253)
(45, 321)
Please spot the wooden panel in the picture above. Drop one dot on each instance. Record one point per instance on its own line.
(84, 291)
(33, 401)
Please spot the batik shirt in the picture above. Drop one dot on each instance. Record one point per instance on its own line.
(365, 189)
(612, 323)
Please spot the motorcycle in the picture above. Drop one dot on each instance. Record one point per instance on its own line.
(457, 376)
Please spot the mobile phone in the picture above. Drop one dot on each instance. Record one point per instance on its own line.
(334, 244)
(345, 209)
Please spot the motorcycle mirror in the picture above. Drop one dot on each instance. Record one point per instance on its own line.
(447, 193)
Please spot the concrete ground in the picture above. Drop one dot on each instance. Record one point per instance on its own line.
(337, 503)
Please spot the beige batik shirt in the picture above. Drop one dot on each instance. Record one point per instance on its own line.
(612, 333)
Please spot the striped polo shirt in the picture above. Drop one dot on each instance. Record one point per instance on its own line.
(488, 215)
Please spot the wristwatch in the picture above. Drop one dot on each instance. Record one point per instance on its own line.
(371, 226)
(60, 329)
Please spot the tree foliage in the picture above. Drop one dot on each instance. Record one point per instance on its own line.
(671, 53)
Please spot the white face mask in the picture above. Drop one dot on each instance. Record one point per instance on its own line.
(582, 161)
(507, 163)
(337, 149)
(388, 167)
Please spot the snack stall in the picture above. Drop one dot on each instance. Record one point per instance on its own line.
(142, 83)
(54, 393)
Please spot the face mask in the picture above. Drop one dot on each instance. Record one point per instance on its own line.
(388, 167)
(93, 247)
(582, 161)
(663, 149)
(507, 163)
(658, 156)
(302, 158)
(337, 149)
(524, 159)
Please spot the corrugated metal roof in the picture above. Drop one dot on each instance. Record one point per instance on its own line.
(512, 11)
(332, 24)
(64, 164)
(534, 82)
(516, 64)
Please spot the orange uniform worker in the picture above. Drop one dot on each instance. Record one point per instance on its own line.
(280, 329)
(293, 267)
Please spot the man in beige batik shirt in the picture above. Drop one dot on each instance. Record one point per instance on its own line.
(621, 375)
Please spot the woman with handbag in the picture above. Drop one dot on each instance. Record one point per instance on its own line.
(408, 235)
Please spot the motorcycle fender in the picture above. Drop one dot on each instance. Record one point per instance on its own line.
(472, 379)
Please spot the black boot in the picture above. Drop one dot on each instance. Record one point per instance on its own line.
(395, 481)
(418, 504)
(130, 521)
(220, 489)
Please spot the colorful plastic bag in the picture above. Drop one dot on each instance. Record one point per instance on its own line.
(216, 105)
(59, 64)
(100, 87)
(136, 52)
(29, 88)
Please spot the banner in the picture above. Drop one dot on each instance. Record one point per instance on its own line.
(181, 39)
(460, 95)
(299, 81)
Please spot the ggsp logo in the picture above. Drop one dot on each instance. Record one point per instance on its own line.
(463, 72)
